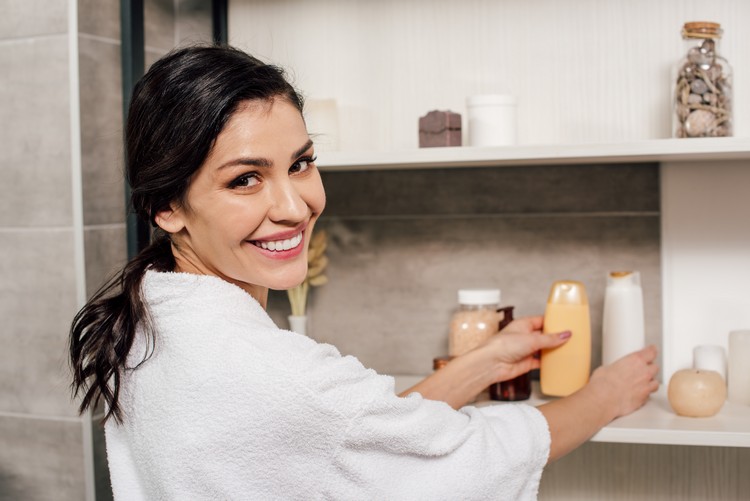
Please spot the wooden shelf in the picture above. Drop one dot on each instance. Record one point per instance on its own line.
(655, 423)
(655, 150)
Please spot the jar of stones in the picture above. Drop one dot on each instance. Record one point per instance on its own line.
(702, 85)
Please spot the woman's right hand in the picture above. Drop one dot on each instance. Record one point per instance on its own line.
(627, 382)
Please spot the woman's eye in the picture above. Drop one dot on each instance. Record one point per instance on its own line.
(245, 181)
(302, 165)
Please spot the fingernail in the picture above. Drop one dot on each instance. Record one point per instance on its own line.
(565, 334)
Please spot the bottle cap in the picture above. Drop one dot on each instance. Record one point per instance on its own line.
(491, 100)
(479, 296)
(624, 278)
(568, 292)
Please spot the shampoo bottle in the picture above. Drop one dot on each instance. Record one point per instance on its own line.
(565, 369)
(623, 325)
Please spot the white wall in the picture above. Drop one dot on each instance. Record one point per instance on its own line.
(582, 70)
(705, 256)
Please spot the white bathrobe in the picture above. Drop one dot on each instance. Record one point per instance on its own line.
(230, 407)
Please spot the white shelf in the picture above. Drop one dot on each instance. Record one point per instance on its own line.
(654, 150)
(655, 423)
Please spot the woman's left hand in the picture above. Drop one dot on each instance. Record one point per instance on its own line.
(512, 351)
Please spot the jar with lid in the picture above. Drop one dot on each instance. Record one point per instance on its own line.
(702, 85)
(475, 320)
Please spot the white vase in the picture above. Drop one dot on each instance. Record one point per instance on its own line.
(298, 324)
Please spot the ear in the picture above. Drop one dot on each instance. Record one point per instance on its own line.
(170, 220)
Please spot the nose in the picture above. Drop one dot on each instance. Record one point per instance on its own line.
(287, 203)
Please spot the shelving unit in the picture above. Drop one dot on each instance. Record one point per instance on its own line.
(655, 150)
(656, 423)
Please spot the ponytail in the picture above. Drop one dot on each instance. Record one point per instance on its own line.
(103, 331)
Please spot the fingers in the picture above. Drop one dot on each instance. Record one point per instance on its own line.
(648, 354)
(536, 322)
(525, 324)
(547, 341)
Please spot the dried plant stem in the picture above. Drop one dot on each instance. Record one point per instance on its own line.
(298, 298)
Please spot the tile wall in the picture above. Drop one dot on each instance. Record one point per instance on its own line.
(41, 456)
(46, 446)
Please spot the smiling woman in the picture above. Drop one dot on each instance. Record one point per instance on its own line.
(250, 209)
(206, 398)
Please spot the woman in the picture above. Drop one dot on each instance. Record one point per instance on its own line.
(207, 399)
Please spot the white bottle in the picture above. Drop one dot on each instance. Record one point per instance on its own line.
(623, 328)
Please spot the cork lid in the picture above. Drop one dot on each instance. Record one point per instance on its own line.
(701, 29)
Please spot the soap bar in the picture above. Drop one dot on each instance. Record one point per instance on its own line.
(440, 128)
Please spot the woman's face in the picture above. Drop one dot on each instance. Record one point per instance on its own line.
(251, 207)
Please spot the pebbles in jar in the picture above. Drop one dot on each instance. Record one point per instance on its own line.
(703, 86)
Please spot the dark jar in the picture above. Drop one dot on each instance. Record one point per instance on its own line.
(518, 388)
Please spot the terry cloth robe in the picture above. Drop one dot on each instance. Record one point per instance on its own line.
(230, 407)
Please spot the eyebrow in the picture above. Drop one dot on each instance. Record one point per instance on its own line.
(264, 162)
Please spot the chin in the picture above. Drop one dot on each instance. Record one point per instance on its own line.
(284, 284)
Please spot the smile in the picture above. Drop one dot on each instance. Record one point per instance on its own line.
(280, 245)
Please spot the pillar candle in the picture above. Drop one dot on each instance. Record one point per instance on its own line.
(739, 367)
(709, 357)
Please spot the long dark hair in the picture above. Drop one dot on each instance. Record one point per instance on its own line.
(178, 109)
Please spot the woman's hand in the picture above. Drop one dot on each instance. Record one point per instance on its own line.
(512, 352)
(613, 391)
(502, 357)
(630, 380)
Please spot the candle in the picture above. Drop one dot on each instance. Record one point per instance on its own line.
(710, 357)
(739, 367)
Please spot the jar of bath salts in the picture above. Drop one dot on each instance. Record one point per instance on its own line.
(475, 320)
(702, 85)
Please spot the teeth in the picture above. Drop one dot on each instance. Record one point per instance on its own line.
(278, 245)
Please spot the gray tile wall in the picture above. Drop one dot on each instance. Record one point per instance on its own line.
(42, 455)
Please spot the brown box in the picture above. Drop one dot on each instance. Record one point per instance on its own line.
(440, 128)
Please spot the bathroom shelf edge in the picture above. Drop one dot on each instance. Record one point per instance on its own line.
(653, 150)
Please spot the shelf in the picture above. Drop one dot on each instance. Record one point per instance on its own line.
(655, 423)
(654, 150)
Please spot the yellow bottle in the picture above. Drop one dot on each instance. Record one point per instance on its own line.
(565, 369)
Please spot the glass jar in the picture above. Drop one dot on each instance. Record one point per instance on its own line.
(703, 85)
(475, 321)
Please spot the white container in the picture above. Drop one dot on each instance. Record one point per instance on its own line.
(492, 120)
(322, 121)
(738, 367)
(710, 357)
(623, 328)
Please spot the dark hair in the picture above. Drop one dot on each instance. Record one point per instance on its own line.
(177, 110)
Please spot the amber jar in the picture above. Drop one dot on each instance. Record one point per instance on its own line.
(518, 388)
(702, 85)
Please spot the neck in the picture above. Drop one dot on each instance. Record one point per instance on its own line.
(183, 264)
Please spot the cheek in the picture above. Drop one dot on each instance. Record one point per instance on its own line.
(315, 195)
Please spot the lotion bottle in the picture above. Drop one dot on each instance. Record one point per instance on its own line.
(623, 328)
(565, 369)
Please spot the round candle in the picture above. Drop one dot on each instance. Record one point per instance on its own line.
(710, 357)
(739, 367)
